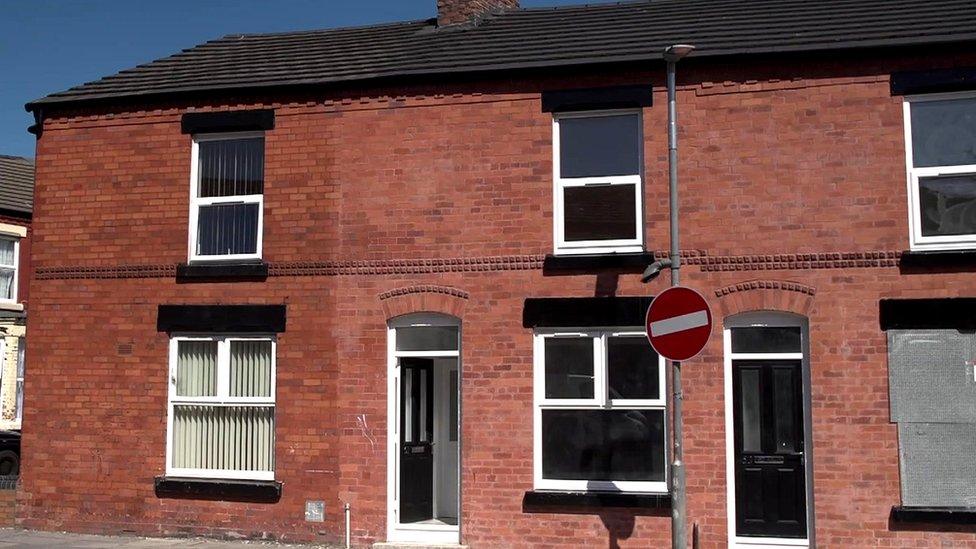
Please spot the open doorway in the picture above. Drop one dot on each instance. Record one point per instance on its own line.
(424, 453)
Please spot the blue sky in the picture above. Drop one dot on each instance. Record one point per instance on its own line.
(50, 45)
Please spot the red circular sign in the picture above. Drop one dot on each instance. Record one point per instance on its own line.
(678, 323)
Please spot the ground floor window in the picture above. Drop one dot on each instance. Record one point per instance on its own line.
(932, 387)
(599, 412)
(221, 407)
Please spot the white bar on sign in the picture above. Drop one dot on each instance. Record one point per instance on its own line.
(679, 323)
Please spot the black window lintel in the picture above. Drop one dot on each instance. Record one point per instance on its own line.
(221, 318)
(933, 81)
(228, 121)
(952, 313)
(583, 99)
(582, 312)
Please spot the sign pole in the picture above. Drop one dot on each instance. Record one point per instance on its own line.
(678, 519)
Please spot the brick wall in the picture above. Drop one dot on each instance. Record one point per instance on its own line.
(793, 196)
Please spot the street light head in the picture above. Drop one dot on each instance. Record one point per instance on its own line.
(676, 52)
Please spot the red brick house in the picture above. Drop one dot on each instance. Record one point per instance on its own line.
(397, 268)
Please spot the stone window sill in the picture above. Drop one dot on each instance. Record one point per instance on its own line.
(596, 263)
(259, 491)
(542, 500)
(933, 515)
(236, 270)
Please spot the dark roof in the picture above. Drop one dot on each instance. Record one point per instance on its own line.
(538, 37)
(16, 184)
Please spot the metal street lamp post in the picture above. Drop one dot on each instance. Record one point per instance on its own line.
(679, 539)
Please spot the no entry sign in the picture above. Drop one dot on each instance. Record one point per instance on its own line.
(678, 323)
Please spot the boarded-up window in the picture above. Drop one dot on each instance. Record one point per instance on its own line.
(933, 401)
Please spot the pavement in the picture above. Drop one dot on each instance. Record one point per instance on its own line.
(32, 539)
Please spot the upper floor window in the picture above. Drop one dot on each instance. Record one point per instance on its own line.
(599, 412)
(227, 200)
(9, 248)
(941, 158)
(598, 206)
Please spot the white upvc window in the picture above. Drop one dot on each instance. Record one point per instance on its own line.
(598, 164)
(9, 263)
(940, 145)
(226, 197)
(221, 407)
(600, 414)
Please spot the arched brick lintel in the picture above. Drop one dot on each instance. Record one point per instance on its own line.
(424, 298)
(765, 295)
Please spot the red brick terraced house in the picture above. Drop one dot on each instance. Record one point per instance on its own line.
(391, 274)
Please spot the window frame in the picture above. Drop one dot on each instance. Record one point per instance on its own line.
(918, 242)
(21, 369)
(600, 401)
(560, 245)
(221, 399)
(15, 267)
(196, 202)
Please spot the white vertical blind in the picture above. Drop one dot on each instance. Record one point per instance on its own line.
(196, 368)
(223, 408)
(230, 438)
(250, 368)
(8, 267)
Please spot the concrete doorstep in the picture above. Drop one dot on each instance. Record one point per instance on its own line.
(14, 537)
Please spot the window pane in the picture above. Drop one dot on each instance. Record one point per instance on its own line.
(21, 354)
(236, 438)
(599, 145)
(452, 421)
(751, 414)
(605, 212)
(569, 367)
(948, 204)
(427, 338)
(603, 445)
(226, 229)
(7, 252)
(250, 368)
(19, 412)
(633, 368)
(7, 277)
(944, 132)
(196, 368)
(766, 340)
(231, 167)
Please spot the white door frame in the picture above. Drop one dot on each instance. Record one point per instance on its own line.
(767, 319)
(420, 533)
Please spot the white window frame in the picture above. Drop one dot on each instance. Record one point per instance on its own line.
(15, 267)
(917, 241)
(21, 368)
(196, 202)
(600, 401)
(222, 399)
(562, 247)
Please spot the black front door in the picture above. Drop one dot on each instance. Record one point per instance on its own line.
(416, 437)
(770, 479)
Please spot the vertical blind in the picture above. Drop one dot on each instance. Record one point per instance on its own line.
(208, 431)
(229, 168)
(236, 438)
(8, 270)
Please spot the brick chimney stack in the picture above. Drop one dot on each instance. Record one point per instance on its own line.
(451, 12)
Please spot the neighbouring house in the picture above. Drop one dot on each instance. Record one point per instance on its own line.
(16, 206)
(389, 277)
